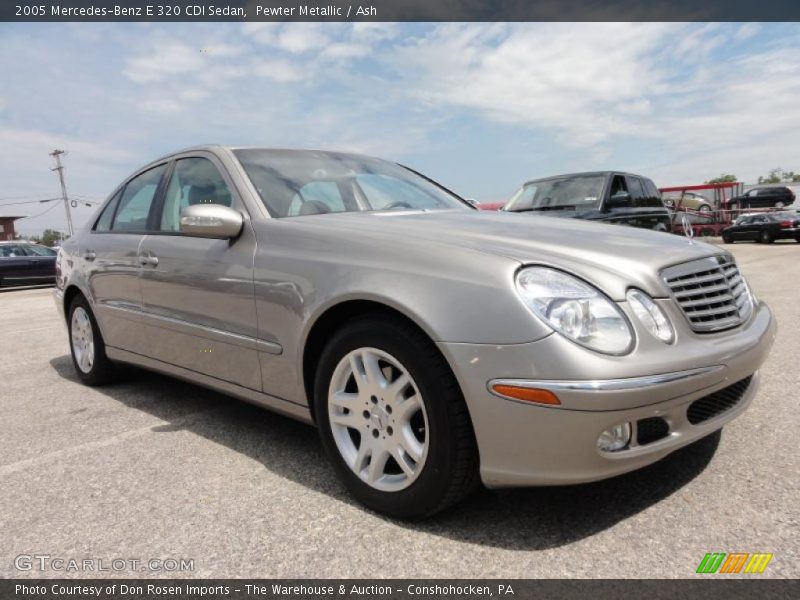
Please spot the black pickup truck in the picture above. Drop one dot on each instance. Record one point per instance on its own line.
(607, 196)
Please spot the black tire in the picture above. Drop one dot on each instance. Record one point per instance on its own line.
(727, 239)
(766, 237)
(450, 471)
(102, 370)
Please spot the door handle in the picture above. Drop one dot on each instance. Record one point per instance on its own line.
(148, 261)
(89, 255)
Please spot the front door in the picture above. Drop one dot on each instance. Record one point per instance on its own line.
(198, 293)
(43, 262)
(15, 266)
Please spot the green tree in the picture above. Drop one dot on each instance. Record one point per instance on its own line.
(50, 237)
(723, 179)
(775, 176)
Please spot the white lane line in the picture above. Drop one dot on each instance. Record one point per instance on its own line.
(32, 329)
(50, 457)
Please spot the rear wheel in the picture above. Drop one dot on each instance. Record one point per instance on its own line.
(766, 237)
(87, 346)
(392, 419)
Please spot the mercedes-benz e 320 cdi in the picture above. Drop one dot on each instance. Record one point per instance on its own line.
(433, 345)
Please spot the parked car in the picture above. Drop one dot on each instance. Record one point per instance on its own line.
(351, 293)
(764, 227)
(690, 200)
(607, 196)
(25, 263)
(763, 197)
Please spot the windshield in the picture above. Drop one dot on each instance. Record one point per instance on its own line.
(300, 183)
(573, 193)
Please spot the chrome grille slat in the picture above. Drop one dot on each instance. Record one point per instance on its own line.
(710, 312)
(707, 300)
(710, 292)
(699, 280)
(722, 287)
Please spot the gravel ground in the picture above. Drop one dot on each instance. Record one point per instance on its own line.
(156, 468)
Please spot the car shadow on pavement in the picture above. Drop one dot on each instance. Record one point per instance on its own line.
(519, 519)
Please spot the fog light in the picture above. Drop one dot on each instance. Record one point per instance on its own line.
(614, 438)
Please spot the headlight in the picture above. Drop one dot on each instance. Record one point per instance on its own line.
(651, 316)
(575, 309)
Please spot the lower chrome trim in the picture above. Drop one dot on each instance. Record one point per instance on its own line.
(202, 331)
(604, 385)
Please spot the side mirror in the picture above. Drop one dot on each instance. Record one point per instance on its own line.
(619, 200)
(211, 221)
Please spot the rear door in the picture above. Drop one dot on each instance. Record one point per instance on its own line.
(198, 293)
(111, 260)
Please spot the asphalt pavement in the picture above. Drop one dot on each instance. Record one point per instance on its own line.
(156, 468)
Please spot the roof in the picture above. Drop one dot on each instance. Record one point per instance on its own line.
(218, 147)
(12, 217)
(582, 174)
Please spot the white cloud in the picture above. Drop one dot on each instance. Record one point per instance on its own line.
(596, 84)
(279, 70)
(164, 60)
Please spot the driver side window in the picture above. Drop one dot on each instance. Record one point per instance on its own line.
(193, 181)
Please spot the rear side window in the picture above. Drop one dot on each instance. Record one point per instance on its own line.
(643, 192)
(134, 206)
(104, 222)
(37, 250)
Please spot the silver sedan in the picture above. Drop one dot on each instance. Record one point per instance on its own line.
(433, 345)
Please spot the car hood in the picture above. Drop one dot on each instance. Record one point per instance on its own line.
(614, 257)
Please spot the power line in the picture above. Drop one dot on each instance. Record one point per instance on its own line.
(30, 202)
(25, 196)
(45, 211)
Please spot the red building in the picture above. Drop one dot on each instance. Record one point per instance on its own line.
(7, 227)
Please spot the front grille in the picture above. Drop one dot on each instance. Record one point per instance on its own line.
(651, 430)
(717, 403)
(711, 293)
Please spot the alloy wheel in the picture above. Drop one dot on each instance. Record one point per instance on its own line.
(82, 339)
(378, 419)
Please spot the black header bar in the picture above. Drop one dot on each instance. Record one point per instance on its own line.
(398, 10)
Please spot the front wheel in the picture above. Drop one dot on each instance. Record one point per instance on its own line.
(392, 419)
(727, 239)
(766, 237)
(87, 346)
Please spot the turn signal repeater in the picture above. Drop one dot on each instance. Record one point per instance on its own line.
(535, 395)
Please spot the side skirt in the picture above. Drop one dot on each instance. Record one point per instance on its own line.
(298, 412)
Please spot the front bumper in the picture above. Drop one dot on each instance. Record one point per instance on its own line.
(528, 444)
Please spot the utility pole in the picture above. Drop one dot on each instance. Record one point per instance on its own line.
(57, 155)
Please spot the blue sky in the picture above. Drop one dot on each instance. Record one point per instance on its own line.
(479, 107)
